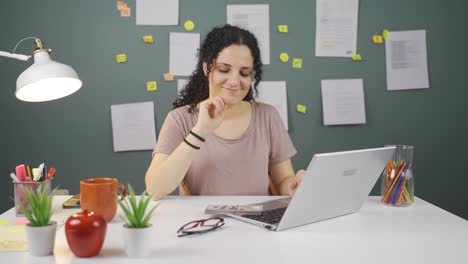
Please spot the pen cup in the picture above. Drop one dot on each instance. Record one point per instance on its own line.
(20, 195)
(397, 180)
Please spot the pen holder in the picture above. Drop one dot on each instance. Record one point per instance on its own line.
(20, 195)
(397, 180)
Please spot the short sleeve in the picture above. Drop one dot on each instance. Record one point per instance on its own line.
(281, 146)
(171, 134)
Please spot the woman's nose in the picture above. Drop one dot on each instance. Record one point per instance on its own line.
(234, 79)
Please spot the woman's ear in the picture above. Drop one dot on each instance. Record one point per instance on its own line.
(205, 69)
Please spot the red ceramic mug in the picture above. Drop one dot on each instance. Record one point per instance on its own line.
(100, 196)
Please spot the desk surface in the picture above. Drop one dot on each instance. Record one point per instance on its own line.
(421, 233)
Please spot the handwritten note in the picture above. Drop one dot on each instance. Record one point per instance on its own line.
(168, 77)
(121, 5)
(297, 63)
(121, 58)
(377, 39)
(126, 12)
(284, 57)
(386, 33)
(356, 57)
(148, 39)
(13, 238)
(301, 108)
(151, 86)
(283, 28)
(189, 25)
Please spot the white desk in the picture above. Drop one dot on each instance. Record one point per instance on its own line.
(422, 233)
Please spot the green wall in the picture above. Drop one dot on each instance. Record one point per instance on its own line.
(74, 133)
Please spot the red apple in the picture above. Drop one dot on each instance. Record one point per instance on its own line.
(85, 232)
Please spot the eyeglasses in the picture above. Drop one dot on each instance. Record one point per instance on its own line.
(200, 226)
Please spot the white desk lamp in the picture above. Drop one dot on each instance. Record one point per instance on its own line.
(45, 79)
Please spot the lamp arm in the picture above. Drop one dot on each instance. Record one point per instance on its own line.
(14, 56)
(17, 56)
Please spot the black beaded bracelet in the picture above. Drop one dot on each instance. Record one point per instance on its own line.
(197, 136)
(190, 144)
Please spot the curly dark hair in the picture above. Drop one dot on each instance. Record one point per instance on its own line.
(217, 39)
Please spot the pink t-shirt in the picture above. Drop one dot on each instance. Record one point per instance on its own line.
(230, 166)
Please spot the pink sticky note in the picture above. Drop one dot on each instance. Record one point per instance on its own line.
(21, 221)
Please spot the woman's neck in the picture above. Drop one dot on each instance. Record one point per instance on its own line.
(237, 110)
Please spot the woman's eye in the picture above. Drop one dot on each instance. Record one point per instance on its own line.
(246, 74)
(223, 70)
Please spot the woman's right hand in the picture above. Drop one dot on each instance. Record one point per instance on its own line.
(210, 115)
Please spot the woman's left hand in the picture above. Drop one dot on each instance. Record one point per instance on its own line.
(294, 182)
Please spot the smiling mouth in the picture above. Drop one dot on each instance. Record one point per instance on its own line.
(232, 90)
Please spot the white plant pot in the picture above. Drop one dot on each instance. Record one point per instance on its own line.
(41, 239)
(136, 241)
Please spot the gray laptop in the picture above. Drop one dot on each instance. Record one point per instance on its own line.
(334, 184)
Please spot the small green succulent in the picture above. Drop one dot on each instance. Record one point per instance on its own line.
(38, 208)
(135, 211)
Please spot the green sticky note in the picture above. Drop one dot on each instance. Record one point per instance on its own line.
(356, 57)
(385, 33)
(301, 108)
(152, 86)
(297, 63)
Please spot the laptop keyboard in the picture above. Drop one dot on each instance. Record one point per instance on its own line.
(269, 217)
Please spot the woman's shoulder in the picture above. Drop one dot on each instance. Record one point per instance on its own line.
(181, 112)
(182, 116)
(264, 109)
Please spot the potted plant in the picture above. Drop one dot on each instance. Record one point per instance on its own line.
(137, 229)
(40, 231)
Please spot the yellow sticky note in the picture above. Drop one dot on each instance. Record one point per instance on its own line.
(297, 63)
(283, 28)
(189, 25)
(125, 12)
(121, 58)
(301, 108)
(356, 57)
(152, 85)
(168, 77)
(148, 39)
(284, 57)
(5, 222)
(385, 34)
(377, 39)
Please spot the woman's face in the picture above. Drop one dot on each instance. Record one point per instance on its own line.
(231, 74)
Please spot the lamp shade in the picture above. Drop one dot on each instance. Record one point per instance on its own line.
(46, 80)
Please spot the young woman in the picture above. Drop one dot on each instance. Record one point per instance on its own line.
(217, 140)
